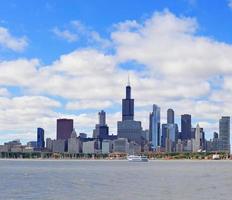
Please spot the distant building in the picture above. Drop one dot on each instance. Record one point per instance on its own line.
(128, 127)
(170, 116)
(32, 144)
(107, 146)
(101, 130)
(224, 133)
(58, 146)
(49, 144)
(154, 127)
(121, 145)
(197, 140)
(82, 135)
(64, 129)
(89, 147)
(186, 127)
(73, 143)
(179, 146)
(40, 138)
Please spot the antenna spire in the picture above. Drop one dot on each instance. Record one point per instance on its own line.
(128, 83)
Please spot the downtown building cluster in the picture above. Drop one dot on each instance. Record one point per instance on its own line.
(130, 138)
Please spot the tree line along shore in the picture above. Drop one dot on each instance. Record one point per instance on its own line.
(114, 156)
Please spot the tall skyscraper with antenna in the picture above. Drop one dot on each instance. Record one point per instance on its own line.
(128, 104)
(128, 127)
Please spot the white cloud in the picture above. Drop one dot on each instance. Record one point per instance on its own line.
(88, 104)
(11, 42)
(65, 34)
(230, 4)
(4, 92)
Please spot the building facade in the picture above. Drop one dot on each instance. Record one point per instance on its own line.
(64, 129)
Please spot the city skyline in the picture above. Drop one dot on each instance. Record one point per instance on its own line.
(79, 66)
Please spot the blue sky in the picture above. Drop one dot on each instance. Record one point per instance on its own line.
(71, 59)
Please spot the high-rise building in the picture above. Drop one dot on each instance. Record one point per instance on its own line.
(40, 138)
(101, 130)
(128, 127)
(170, 116)
(224, 133)
(73, 143)
(154, 127)
(128, 105)
(64, 129)
(186, 127)
(197, 139)
(102, 118)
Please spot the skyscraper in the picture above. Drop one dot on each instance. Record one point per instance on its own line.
(197, 140)
(64, 129)
(186, 127)
(101, 130)
(40, 138)
(224, 133)
(128, 127)
(170, 116)
(102, 118)
(128, 105)
(154, 126)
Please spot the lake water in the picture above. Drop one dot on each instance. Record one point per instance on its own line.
(115, 180)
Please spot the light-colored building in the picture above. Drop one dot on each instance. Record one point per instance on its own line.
(197, 141)
(73, 143)
(3, 148)
(179, 146)
(89, 147)
(49, 144)
(121, 145)
(107, 146)
(58, 146)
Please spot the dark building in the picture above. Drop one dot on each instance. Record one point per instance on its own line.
(170, 116)
(224, 133)
(186, 127)
(64, 129)
(40, 138)
(128, 127)
(101, 130)
(128, 105)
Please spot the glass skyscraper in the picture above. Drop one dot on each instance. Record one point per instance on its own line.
(224, 133)
(40, 138)
(186, 125)
(154, 126)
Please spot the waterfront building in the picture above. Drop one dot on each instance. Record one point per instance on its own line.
(121, 145)
(73, 143)
(64, 129)
(49, 144)
(59, 146)
(128, 127)
(179, 146)
(40, 138)
(145, 135)
(89, 147)
(3, 148)
(32, 144)
(107, 146)
(154, 127)
(186, 127)
(224, 133)
(188, 145)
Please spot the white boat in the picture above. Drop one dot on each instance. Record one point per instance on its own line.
(216, 157)
(133, 158)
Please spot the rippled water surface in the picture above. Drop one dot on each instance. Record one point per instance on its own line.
(115, 180)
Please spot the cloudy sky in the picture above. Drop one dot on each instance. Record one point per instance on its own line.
(72, 58)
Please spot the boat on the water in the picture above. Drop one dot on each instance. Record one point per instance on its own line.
(134, 158)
